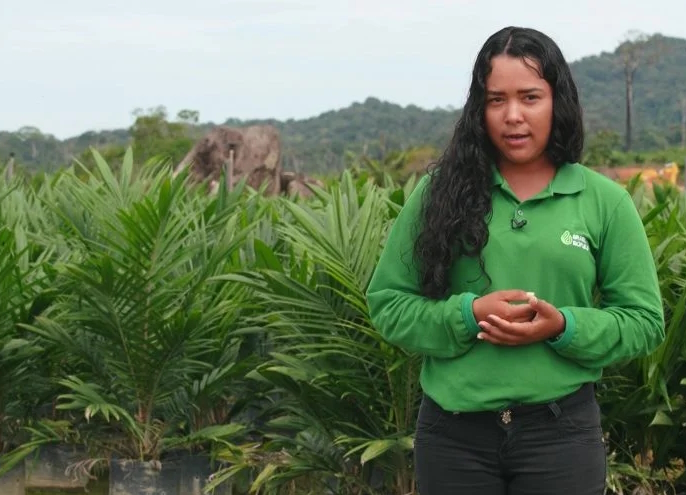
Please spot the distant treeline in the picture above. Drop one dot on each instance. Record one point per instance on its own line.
(374, 128)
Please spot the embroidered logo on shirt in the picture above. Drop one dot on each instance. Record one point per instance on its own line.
(577, 240)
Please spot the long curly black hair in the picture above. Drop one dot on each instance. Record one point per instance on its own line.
(457, 204)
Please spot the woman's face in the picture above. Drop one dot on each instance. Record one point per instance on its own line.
(519, 110)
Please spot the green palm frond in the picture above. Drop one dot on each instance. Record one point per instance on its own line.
(336, 377)
(136, 308)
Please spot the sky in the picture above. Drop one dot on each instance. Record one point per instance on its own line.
(70, 66)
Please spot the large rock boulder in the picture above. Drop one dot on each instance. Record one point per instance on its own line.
(256, 151)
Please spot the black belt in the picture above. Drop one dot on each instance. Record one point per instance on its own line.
(584, 394)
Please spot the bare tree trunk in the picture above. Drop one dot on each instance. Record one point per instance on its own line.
(629, 78)
(9, 171)
(637, 49)
(229, 169)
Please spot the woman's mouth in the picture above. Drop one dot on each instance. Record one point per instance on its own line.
(516, 139)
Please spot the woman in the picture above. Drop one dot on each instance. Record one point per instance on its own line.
(490, 272)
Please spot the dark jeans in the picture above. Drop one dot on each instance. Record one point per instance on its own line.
(551, 449)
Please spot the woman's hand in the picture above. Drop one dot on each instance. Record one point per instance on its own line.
(500, 303)
(547, 323)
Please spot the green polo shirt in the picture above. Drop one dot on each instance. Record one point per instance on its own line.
(581, 234)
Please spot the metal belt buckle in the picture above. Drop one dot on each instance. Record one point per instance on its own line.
(506, 416)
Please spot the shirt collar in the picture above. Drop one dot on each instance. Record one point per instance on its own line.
(569, 179)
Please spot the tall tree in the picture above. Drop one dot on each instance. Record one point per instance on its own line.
(9, 169)
(683, 121)
(190, 117)
(636, 49)
(154, 135)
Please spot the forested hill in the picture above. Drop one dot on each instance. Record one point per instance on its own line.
(318, 143)
(659, 91)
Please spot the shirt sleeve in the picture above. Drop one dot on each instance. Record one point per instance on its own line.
(438, 328)
(629, 320)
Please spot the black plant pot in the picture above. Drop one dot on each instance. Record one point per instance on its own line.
(12, 483)
(195, 474)
(49, 468)
(132, 477)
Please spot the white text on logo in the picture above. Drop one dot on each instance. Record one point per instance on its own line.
(569, 239)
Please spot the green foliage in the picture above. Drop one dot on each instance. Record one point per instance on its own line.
(396, 167)
(33, 150)
(601, 151)
(21, 280)
(348, 399)
(158, 318)
(153, 138)
(643, 400)
(153, 135)
(25, 278)
(146, 337)
(657, 88)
